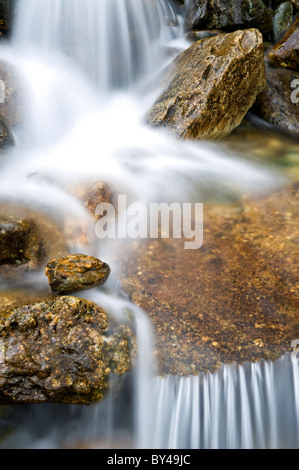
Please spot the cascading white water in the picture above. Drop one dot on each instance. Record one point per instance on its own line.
(238, 407)
(113, 41)
(73, 57)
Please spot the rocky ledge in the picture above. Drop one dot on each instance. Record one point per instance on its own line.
(233, 300)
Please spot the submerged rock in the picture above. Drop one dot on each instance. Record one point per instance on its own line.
(286, 52)
(228, 15)
(211, 87)
(277, 104)
(94, 194)
(74, 273)
(60, 350)
(233, 300)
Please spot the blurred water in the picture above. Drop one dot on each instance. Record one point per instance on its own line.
(89, 71)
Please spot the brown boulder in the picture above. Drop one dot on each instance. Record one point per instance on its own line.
(211, 87)
(60, 350)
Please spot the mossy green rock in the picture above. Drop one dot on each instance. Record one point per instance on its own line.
(60, 350)
(282, 19)
(211, 86)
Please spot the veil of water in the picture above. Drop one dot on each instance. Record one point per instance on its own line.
(89, 69)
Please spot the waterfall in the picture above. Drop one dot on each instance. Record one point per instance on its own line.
(87, 68)
(249, 406)
(113, 41)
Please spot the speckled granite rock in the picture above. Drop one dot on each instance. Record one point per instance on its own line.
(235, 299)
(211, 87)
(60, 350)
(74, 273)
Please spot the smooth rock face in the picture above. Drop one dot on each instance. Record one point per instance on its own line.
(228, 15)
(286, 52)
(74, 273)
(60, 350)
(211, 87)
(235, 299)
(275, 104)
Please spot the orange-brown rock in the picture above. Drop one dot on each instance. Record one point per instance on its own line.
(74, 273)
(235, 299)
(211, 86)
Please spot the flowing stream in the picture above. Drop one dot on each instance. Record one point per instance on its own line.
(90, 70)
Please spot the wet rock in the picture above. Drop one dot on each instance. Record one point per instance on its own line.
(203, 34)
(277, 104)
(228, 15)
(60, 350)
(19, 241)
(11, 95)
(95, 194)
(282, 19)
(295, 3)
(7, 12)
(74, 273)
(286, 52)
(6, 137)
(27, 240)
(233, 300)
(211, 87)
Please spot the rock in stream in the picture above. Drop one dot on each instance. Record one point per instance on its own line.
(60, 350)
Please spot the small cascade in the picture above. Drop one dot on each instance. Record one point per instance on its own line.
(113, 41)
(249, 406)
